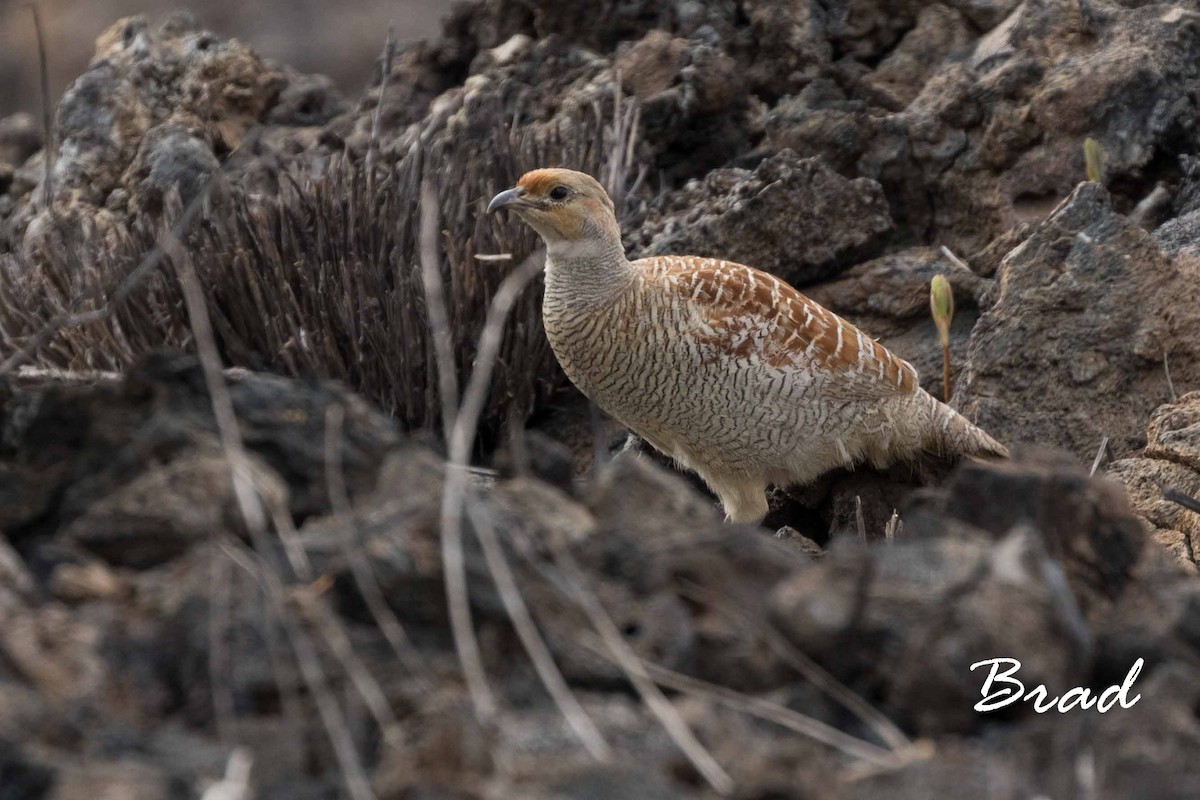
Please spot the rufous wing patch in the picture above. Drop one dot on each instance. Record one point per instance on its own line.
(752, 315)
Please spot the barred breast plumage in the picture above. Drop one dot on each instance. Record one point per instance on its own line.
(728, 370)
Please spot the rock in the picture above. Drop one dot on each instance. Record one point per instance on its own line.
(78, 583)
(20, 138)
(49, 649)
(307, 100)
(996, 139)
(20, 777)
(161, 105)
(1036, 527)
(13, 572)
(170, 157)
(940, 33)
(608, 783)
(1072, 345)
(1171, 459)
(888, 298)
(755, 218)
(1085, 524)
(1180, 236)
(128, 778)
(161, 513)
(132, 469)
(692, 100)
(905, 622)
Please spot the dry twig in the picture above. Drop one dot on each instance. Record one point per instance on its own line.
(454, 490)
(218, 655)
(858, 519)
(1167, 372)
(1179, 497)
(635, 671)
(251, 510)
(389, 54)
(435, 307)
(357, 783)
(364, 577)
(48, 149)
(1099, 456)
(531, 640)
(772, 712)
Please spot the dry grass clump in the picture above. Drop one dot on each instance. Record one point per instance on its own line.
(322, 279)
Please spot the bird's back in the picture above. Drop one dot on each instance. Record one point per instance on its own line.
(728, 368)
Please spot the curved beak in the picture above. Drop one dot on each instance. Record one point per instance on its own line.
(509, 197)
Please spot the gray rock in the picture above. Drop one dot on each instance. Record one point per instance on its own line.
(20, 138)
(791, 216)
(1072, 344)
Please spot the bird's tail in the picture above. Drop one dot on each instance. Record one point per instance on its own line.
(949, 433)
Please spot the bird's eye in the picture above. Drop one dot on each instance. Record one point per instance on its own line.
(558, 193)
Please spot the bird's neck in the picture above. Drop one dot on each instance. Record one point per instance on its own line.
(588, 274)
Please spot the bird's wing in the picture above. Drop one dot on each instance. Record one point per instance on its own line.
(757, 320)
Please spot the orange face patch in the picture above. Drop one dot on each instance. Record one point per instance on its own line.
(539, 182)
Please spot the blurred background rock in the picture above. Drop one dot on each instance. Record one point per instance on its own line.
(340, 40)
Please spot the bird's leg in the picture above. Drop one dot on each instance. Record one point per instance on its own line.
(743, 501)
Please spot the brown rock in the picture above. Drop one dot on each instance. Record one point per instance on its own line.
(755, 218)
(1072, 345)
(1171, 460)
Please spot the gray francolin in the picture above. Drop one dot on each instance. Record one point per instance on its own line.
(726, 369)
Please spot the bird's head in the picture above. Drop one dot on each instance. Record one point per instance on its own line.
(570, 210)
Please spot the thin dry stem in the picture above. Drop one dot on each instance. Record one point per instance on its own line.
(1179, 497)
(772, 712)
(1167, 372)
(893, 527)
(945, 373)
(251, 510)
(222, 403)
(435, 306)
(389, 54)
(218, 654)
(1099, 456)
(454, 490)
(334, 633)
(364, 577)
(358, 784)
(884, 728)
(531, 639)
(635, 671)
(48, 149)
(236, 783)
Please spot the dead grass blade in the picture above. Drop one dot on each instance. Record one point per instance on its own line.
(462, 435)
(251, 510)
(635, 671)
(884, 728)
(48, 148)
(531, 639)
(360, 569)
(766, 710)
(358, 785)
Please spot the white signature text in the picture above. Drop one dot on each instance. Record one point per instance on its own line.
(1001, 689)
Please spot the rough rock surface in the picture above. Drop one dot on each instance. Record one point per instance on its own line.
(1170, 460)
(1061, 575)
(791, 216)
(1082, 319)
(116, 465)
